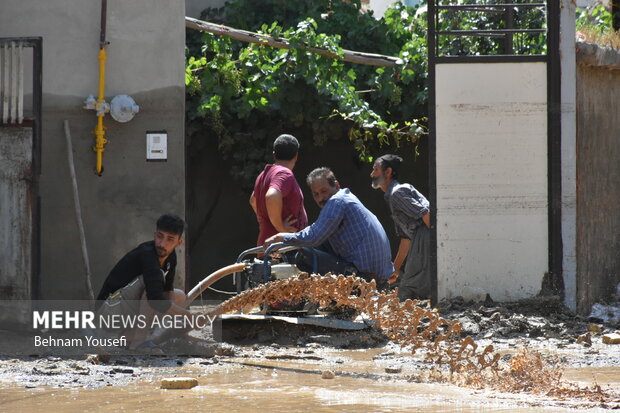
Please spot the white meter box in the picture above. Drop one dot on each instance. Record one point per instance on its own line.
(156, 146)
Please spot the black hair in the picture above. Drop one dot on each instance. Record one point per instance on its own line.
(319, 173)
(171, 223)
(390, 161)
(285, 147)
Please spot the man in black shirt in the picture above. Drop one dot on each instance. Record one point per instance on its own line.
(141, 283)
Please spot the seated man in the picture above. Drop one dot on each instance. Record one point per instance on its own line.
(345, 239)
(141, 283)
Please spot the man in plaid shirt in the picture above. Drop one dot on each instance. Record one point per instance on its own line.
(345, 239)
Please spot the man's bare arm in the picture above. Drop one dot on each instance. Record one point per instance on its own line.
(401, 255)
(253, 202)
(273, 202)
(426, 218)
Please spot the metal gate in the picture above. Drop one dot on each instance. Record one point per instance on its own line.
(494, 149)
(20, 136)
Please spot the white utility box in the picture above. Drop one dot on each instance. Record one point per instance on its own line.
(156, 146)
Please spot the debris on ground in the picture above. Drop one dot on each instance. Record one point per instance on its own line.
(613, 338)
(328, 374)
(607, 313)
(179, 383)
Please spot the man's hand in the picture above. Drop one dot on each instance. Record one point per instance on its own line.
(274, 204)
(288, 224)
(393, 277)
(273, 239)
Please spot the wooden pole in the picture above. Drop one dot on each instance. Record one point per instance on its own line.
(78, 211)
(369, 59)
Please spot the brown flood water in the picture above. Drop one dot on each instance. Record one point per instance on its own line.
(246, 385)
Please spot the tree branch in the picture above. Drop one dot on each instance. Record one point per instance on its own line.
(369, 59)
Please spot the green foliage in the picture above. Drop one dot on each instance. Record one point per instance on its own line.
(491, 19)
(595, 25)
(245, 94)
(596, 17)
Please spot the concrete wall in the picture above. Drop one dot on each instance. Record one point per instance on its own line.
(598, 173)
(491, 179)
(145, 60)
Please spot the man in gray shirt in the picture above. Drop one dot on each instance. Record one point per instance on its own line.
(410, 211)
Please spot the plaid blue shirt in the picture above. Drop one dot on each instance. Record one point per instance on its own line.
(354, 233)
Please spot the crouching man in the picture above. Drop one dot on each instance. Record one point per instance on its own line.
(141, 284)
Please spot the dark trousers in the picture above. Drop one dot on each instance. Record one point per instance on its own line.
(322, 260)
(319, 261)
(415, 280)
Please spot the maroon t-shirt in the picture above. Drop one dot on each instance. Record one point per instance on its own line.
(282, 179)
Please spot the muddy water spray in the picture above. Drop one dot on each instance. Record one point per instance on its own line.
(408, 323)
(413, 323)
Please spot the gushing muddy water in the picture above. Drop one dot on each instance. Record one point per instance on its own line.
(426, 364)
(425, 332)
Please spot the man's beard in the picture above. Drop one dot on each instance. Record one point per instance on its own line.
(377, 181)
(161, 252)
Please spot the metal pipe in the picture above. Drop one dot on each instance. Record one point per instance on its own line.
(13, 89)
(254, 250)
(4, 60)
(498, 6)
(104, 11)
(20, 84)
(266, 264)
(100, 139)
(508, 40)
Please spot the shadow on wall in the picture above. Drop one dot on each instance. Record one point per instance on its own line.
(222, 224)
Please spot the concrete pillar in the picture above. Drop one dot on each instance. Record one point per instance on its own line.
(569, 134)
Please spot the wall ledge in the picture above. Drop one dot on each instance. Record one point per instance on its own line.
(592, 54)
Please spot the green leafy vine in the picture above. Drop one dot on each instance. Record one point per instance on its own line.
(244, 94)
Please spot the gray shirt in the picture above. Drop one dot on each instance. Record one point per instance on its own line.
(407, 207)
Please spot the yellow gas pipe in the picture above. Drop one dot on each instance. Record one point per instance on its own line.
(100, 140)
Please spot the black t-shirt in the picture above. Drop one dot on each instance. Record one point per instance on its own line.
(143, 260)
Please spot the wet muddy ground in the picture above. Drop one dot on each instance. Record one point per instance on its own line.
(278, 366)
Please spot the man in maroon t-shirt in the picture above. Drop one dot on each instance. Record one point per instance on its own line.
(277, 199)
